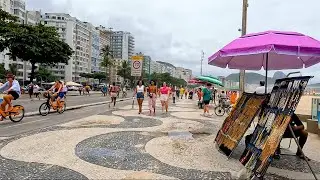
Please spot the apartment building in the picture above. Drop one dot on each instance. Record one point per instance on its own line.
(122, 45)
(7, 5)
(104, 40)
(78, 35)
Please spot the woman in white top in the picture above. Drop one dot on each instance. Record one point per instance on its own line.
(36, 91)
(140, 91)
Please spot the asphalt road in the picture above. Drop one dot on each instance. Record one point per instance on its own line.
(33, 106)
(8, 128)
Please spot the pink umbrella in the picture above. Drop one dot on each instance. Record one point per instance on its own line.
(272, 50)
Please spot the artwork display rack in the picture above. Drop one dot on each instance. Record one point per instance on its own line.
(238, 122)
(272, 124)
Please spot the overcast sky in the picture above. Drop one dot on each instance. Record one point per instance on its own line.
(177, 30)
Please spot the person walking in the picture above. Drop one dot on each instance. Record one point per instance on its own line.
(152, 93)
(174, 94)
(140, 91)
(36, 91)
(88, 89)
(30, 90)
(181, 92)
(186, 93)
(164, 96)
(206, 94)
(104, 90)
(80, 90)
(113, 91)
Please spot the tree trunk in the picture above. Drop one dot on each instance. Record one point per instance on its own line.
(110, 75)
(33, 68)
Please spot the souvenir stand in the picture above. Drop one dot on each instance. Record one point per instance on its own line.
(272, 124)
(238, 121)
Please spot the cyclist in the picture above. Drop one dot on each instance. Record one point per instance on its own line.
(13, 90)
(58, 94)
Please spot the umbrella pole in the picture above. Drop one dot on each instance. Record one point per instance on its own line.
(266, 83)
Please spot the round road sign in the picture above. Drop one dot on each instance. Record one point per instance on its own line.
(136, 64)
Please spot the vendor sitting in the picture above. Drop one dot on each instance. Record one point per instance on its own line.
(299, 131)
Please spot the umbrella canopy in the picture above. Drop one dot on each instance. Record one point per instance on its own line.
(195, 81)
(213, 77)
(70, 83)
(209, 80)
(273, 50)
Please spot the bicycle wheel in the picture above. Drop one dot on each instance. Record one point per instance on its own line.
(18, 113)
(44, 109)
(219, 111)
(63, 109)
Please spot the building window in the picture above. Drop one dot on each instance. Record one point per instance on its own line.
(62, 18)
(59, 18)
(53, 17)
(47, 17)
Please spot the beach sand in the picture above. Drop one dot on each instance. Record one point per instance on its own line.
(304, 107)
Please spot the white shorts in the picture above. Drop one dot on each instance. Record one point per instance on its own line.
(113, 94)
(164, 97)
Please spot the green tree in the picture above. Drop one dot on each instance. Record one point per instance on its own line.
(13, 68)
(107, 60)
(3, 72)
(99, 75)
(7, 24)
(43, 74)
(124, 71)
(38, 45)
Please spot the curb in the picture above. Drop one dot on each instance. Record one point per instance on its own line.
(77, 107)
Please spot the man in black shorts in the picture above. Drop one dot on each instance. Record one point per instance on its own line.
(299, 131)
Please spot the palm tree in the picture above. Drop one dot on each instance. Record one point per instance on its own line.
(124, 70)
(107, 60)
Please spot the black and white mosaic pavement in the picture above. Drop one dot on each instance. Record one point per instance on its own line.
(125, 151)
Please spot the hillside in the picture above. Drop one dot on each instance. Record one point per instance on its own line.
(251, 78)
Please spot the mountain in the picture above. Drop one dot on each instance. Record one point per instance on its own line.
(251, 78)
(279, 75)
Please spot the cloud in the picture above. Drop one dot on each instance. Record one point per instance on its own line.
(176, 31)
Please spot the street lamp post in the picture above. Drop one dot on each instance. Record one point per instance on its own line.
(243, 32)
(202, 57)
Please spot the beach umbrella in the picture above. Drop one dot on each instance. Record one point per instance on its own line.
(213, 77)
(209, 80)
(272, 50)
(70, 83)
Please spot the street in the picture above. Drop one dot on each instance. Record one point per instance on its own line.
(33, 106)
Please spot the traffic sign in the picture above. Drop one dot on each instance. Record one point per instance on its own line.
(136, 65)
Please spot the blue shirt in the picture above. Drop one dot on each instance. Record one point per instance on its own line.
(15, 87)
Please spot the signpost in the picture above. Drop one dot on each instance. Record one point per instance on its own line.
(136, 66)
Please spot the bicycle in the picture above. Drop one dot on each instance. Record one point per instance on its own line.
(45, 107)
(223, 107)
(14, 113)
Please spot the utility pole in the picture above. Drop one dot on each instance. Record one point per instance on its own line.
(243, 32)
(202, 57)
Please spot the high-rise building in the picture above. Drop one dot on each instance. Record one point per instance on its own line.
(122, 45)
(7, 5)
(104, 40)
(78, 35)
(19, 10)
